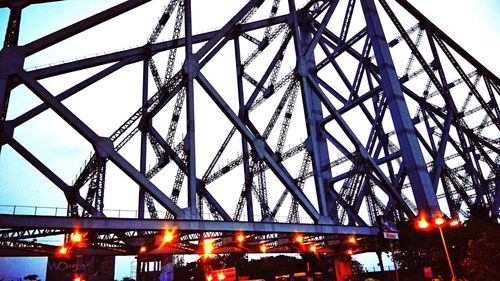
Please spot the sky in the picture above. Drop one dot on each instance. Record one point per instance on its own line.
(472, 24)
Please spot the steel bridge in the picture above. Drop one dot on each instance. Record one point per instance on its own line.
(288, 118)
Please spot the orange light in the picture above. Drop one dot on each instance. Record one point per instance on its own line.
(263, 248)
(62, 250)
(143, 249)
(313, 248)
(240, 238)
(299, 238)
(439, 221)
(454, 222)
(422, 223)
(78, 279)
(208, 247)
(221, 276)
(168, 236)
(349, 252)
(209, 277)
(76, 237)
(352, 240)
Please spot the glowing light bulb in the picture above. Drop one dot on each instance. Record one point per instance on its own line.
(263, 248)
(168, 236)
(422, 223)
(299, 238)
(208, 247)
(352, 240)
(313, 248)
(63, 250)
(439, 221)
(240, 238)
(454, 222)
(76, 237)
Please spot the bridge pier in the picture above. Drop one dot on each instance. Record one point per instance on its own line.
(154, 267)
(342, 265)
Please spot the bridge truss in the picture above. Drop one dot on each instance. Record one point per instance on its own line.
(311, 117)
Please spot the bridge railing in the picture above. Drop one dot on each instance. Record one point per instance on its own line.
(110, 213)
(58, 211)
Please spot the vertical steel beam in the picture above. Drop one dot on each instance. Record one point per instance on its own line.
(10, 42)
(496, 205)
(12, 33)
(316, 142)
(190, 68)
(413, 159)
(244, 143)
(142, 164)
(4, 100)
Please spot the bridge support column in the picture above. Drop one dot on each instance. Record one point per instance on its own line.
(10, 41)
(191, 68)
(413, 159)
(380, 261)
(342, 265)
(155, 268)
(316, 143)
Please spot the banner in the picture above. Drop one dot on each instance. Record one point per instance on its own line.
(91, 268)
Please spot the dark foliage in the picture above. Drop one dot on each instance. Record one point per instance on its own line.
(474, 249)
(265, 268)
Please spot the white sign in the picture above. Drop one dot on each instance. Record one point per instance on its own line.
(391, 235)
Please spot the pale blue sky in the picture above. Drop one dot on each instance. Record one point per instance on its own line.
(473, 24)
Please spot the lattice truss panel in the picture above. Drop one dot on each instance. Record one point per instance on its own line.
(289, 112)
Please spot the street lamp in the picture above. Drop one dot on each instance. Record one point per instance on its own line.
(440, 222)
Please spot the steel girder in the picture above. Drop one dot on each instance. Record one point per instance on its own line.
(397, 119)
(114, 236)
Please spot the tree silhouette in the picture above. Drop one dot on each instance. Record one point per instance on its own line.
(480, 256)
(474, 248)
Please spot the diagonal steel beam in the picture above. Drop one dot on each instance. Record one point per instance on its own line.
(261, 149)
(456, 47)
(103, 146)
(71, 91)
(71, 195)
(80, 26)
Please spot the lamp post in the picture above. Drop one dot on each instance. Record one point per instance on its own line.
(439, 222)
